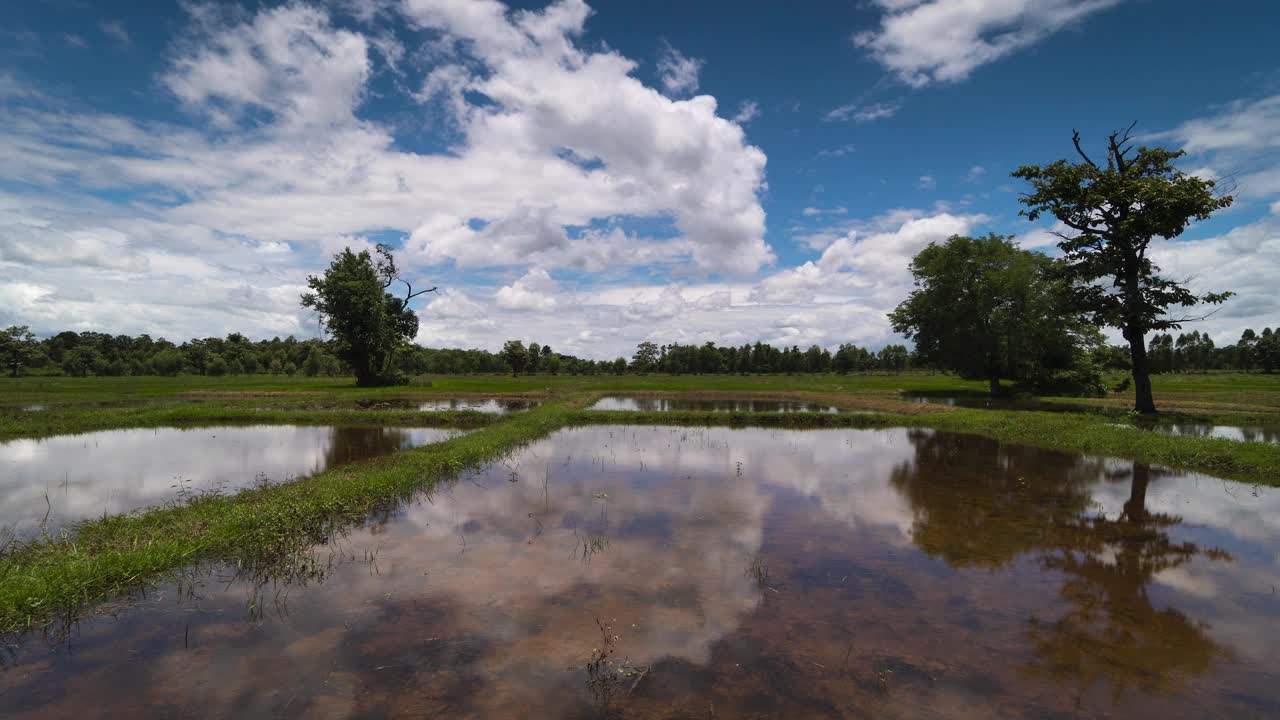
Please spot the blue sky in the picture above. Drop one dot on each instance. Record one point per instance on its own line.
(594, 176)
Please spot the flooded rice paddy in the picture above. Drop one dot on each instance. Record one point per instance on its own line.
(983, 402)
(75, 477)
(636, 404)
(723, 573)
(1239, 433)
(485, 405)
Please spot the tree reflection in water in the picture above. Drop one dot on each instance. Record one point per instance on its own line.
(1029, 503)
(349, 444)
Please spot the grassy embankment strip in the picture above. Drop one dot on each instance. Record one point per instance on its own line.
(1213, 413)
(1070, 432)
(110, 556)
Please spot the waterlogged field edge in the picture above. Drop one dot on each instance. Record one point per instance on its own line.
(102, 558)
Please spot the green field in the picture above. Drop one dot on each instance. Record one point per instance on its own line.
(43, 578)
(100, 403)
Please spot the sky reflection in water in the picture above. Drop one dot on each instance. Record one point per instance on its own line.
(889, 573)
(497, 406)
(117, 471)
(634, 404)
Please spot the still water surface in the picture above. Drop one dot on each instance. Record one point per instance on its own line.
(1239, 433)
(499, 406)
(711, 405)
(745, 573)
(117, 471)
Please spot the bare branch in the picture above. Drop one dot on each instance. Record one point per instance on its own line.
(1198, 318)
(1084, 228)
(1124, 136)
(1075, 140)
(411, 294)
(1226, 185)
(1117, 142)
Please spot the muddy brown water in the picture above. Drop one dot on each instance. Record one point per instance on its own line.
(741, 573)
(636, 404)
(75, 477)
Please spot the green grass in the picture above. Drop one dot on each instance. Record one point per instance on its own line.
(76, 405)
(1222, 387)
(86, 404)
(117, 388)
(107, 557)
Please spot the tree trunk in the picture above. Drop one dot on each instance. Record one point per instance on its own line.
(1142, 400)
(995, 386)
(1135, 508)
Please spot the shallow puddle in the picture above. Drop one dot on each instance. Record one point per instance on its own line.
(484, 405)
(737, 574)
(982, 402)
(1241, 433)
(74, 477)
(636, 404)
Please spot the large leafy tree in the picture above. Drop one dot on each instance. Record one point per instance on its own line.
(646, 357)
(18, 348)
(1112, 212)
(1245, 347)
(368, 324)
(986, 308)
(1267, 349)
(514, 352)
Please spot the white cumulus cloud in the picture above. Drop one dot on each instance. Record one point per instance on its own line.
(535, 291)
(927, 41)
(678, 73)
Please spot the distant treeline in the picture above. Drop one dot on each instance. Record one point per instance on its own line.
(708, 358)
(94, 353)
(1195, 351)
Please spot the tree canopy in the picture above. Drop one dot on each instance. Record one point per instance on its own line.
(515, 354)
(1112, 212)
(368, 324)
(18, 348)
(646, 357)
(986, 308)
